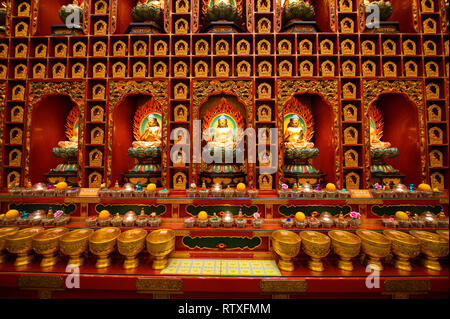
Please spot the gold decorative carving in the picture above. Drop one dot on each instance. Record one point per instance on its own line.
(119, 48)
(285, 68)
(409, 47)
(347, 25)
(100, 49)
(100, 7)
(263, 6)
(20, 71)
(352, 180)
(437, 181)
(264, 113)
(95, 180)
(350, 113)
(15, 157)
(140, 48)
(15, 136)
(368, 47)
(349, 91)
(201, 69)
(284, 47)
(410, 69)
(95, 158)
(21, 51)
(181, 26)
(429, 26)
(222, 47)
(435, 135)
(427, 6)
(40, 51)
(326, 47)
(100, 28)
(429, 48)
(306, 68)
(3, 72)
(432, 91)
(390, 69)
(13, 179)
(60, 50)
(263, 47)
(369, 68)
(179, 181)
(180, 91)
(18, 93)
(181, 48)
(97, 136)
(182, 6)
(3, 50)
(222, 69)
(59, 71)
(119, 70)
(389, 47)
(351, 158)
(350, 135)
(264, 26)
(265, 181)
(264, 91)
(99, 70)
(160, 48)
(36, 282)
(436, 159)
(345, 5)
(201, 47)
(79, 49)
(17, 114)
(139, 70)
(151, 285)
(431, 69)
(39, 71)
(180, 113)
(23, 9)
(180, 69)
(159, 69)
(98, 92)
(348, 47)
(327, 68)
(243, 68)
(434, 113)
(264, 68)
(409, 285)
(283, 287)
(21, 29)
(97, 114)
(348, 68)
(305, 47)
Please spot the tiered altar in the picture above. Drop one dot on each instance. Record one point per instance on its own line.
(228, 140)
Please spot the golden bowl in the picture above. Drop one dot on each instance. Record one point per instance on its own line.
(159, 244)
(287, 245)
(433, 247)
(346, 245)
(6, 231)
(101, 243)
(130, 243)
(404, 247)
(47, 244)
(376, 246)
(74, 244)
(21, 243)
(442, 233)
(316, 245)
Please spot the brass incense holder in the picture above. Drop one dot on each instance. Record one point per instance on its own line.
(130, 243)
(404, 246)
(287, 245)
(433, 247)
(376, 246)
(46, 244)
(317, 246)
(101, 243)
(21, 243)
(160, 244)
(347, 246)
(74, 244)
(4, 232)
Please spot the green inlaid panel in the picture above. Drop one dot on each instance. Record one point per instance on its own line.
(29, 208)
(218, 242)
(122, 209)
(391, 210)
(246, 210)
(307, 210)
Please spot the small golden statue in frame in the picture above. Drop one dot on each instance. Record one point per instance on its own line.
(305, 47)
(3, 50)
(182, 6)
(350, 113)
(347, 25)
(431, 69)
(119, 70)
(306, 68)
(100, 7)
(429, 48)
(263, 47)
(348, 47)
(434, 113)
(437, 180)
(95, 158)
(98, 92)
(348, 68)
(13, 179)
(40, 51)
(179, 181)
(160, 48)
(285, 68)
(99, 70)
(345, 5)
(23, 9)
(390, 69)
(60, 50)
(159, 69)
(389, 47)
(409, 47)
(432, 91)
(15, 136)
(264, 135)
(180, 91)
(180, 113)
(181, 26)
(15, 157)
(327, 68)
(100, 28)
(21, 50)
(427, 6)
(140, 48)
(352, 180)
(39, 71)
(368, 47)
(349, 91)
(436, 159)
(119, 48)
(97, 114)
(179, 135)
(139, 70)
(326, 47)
(181, 48)
(446, 48)
(264, 91)
(180, 69)
(243, 68)
(222, 47)
(201, 69)
(100, 48)
(97, 136)
(222, 69)
(263, 6)
(265, 181)
(18, 93)
(17, 114)
(264, 26)
(410, 69)
(20, 72)
(350, 136)
(79, 49)
(21, 29)
(179, 159)
(284, 47)
(264, 113)
(265, 159)
(369, 68)
(243, 47)
(201, 47)
(264, 68)
(435, 136)
(95, 180)
(351, 159)
(78, 70)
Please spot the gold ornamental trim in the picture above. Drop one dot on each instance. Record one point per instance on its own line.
(40, 282)
(156, 284)
(2, 118)
(326, 89)
(283, 287)
(419, 285)
(414, 91)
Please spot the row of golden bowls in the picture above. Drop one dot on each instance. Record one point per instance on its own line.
(75, 244)
(373, 245)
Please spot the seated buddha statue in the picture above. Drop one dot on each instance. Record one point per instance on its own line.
(71, 143)
(294, 135)
(223, 136)
(375, 142)
(151, 137)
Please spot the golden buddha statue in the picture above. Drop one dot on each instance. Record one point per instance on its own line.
(375, 142)
(71, 143)
(71, 130)
(151, 137)
(223, 136)
(294, 135)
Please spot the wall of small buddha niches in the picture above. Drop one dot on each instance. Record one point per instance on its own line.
(43, 75)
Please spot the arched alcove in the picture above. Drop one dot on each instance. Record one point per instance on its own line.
(323, 139)
(122, 134)
(48, 15)
(48, 122)
(401, 129)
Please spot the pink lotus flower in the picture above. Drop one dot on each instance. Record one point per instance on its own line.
(58, 213)
(355, 215)
(284, 186)
(256, 215)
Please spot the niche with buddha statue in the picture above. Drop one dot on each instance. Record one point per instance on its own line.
(15, 157)
(434, 113)
(17, 114)
(243, 68)
(179, 181)
(265, 181)
(98, 92)
(351, 158)
(436, 158)
(96, 158)
(3, 72)
(97, 136)
(264, 113)
(201, 69)
(97, 114)
(437, 181)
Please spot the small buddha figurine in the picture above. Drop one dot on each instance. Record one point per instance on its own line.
(223, 135)
(151, 137)
(375, 142)
(294, 135)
